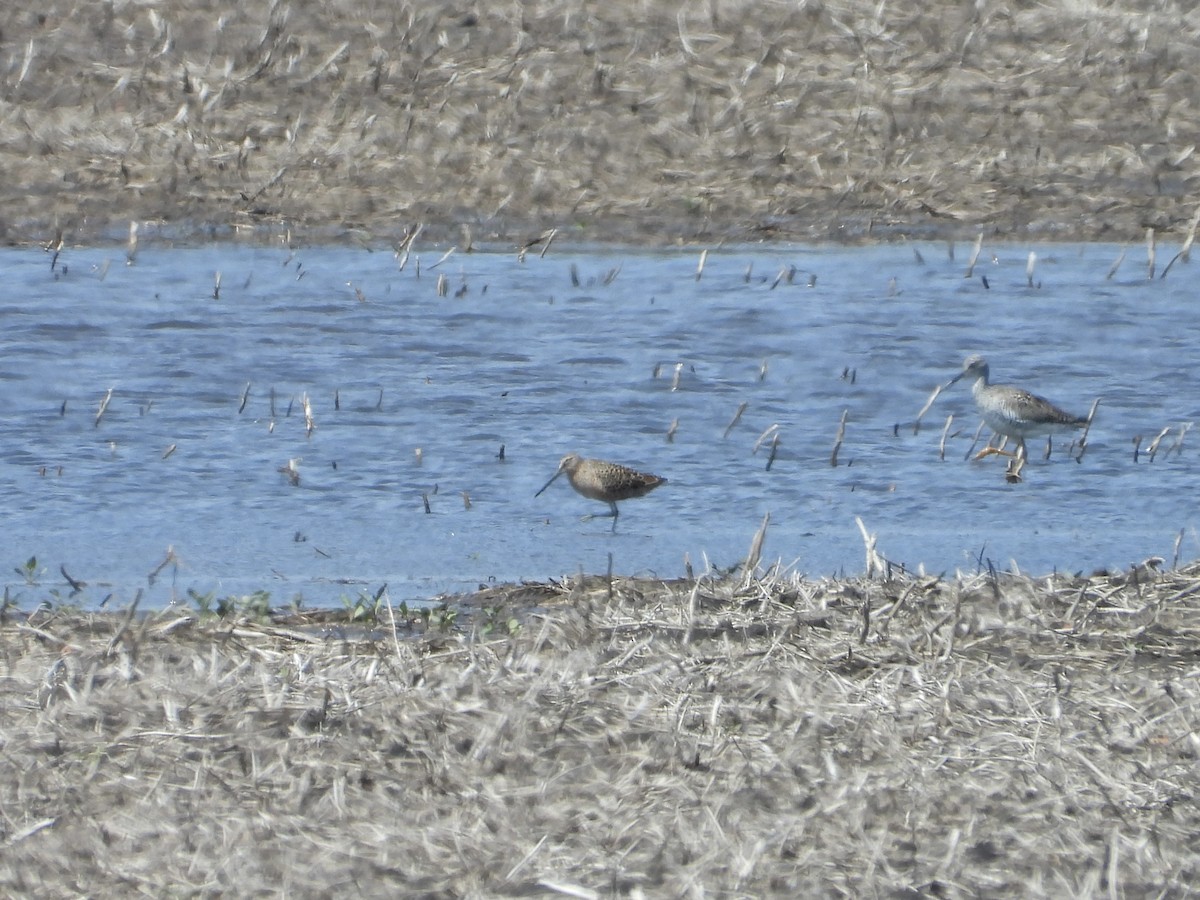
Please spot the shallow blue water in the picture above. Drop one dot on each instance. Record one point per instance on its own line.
(516, 354)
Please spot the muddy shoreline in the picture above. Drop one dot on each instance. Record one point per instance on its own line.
(620, 123)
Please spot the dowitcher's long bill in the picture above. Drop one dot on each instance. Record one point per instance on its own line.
(1012, 411)
(604, 481)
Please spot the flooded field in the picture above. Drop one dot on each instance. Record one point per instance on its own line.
(415, 407)
(305, 421)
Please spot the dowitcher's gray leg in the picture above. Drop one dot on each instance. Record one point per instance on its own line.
(612, 513)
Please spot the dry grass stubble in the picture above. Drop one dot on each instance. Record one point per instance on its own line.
(982, 736)
(622, 120)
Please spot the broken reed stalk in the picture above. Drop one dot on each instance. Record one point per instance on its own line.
(1030, 263)
(1012, 472)
(750, 564)
(841, 436)
(1112, 270)
(545, 239)
(310, 424)
(217, 286)
(700, 265)
(549, 240)
(405, 247)
(169, 559)
(945, 434)
(764, 437)
(875, 562)
(1177, 447)
(676, 378)
(774, 451)
(1087, 427)
(974, 255)
(975, 440)
(1152, 450)
(131, 247)
(76, 584)
(691, 608)
(924, 409)
(445, 256)
(671, 431)
(246, 396)
(55, 247)
(1185, 251)
(737, 417)
(1150, 254)
(103, 407)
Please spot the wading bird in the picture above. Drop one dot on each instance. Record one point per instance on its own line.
(605, 481)
(1012, 411)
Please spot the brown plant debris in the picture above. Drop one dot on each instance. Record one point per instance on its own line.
(616, 121)
(984, 735)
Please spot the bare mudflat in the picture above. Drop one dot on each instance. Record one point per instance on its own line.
(981, 736)
(615, 121)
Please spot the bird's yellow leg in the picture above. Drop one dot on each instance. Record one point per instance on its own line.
(989, 450)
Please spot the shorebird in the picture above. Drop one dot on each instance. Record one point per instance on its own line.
(605, 481)
(1012, 411)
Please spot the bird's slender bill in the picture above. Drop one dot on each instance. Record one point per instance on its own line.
(550, 482)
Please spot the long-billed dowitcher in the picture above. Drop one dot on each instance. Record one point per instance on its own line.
(605, 481)
(1012, 411)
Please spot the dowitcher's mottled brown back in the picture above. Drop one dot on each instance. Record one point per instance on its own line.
(608, 482)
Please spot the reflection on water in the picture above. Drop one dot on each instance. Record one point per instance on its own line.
(414, 387)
